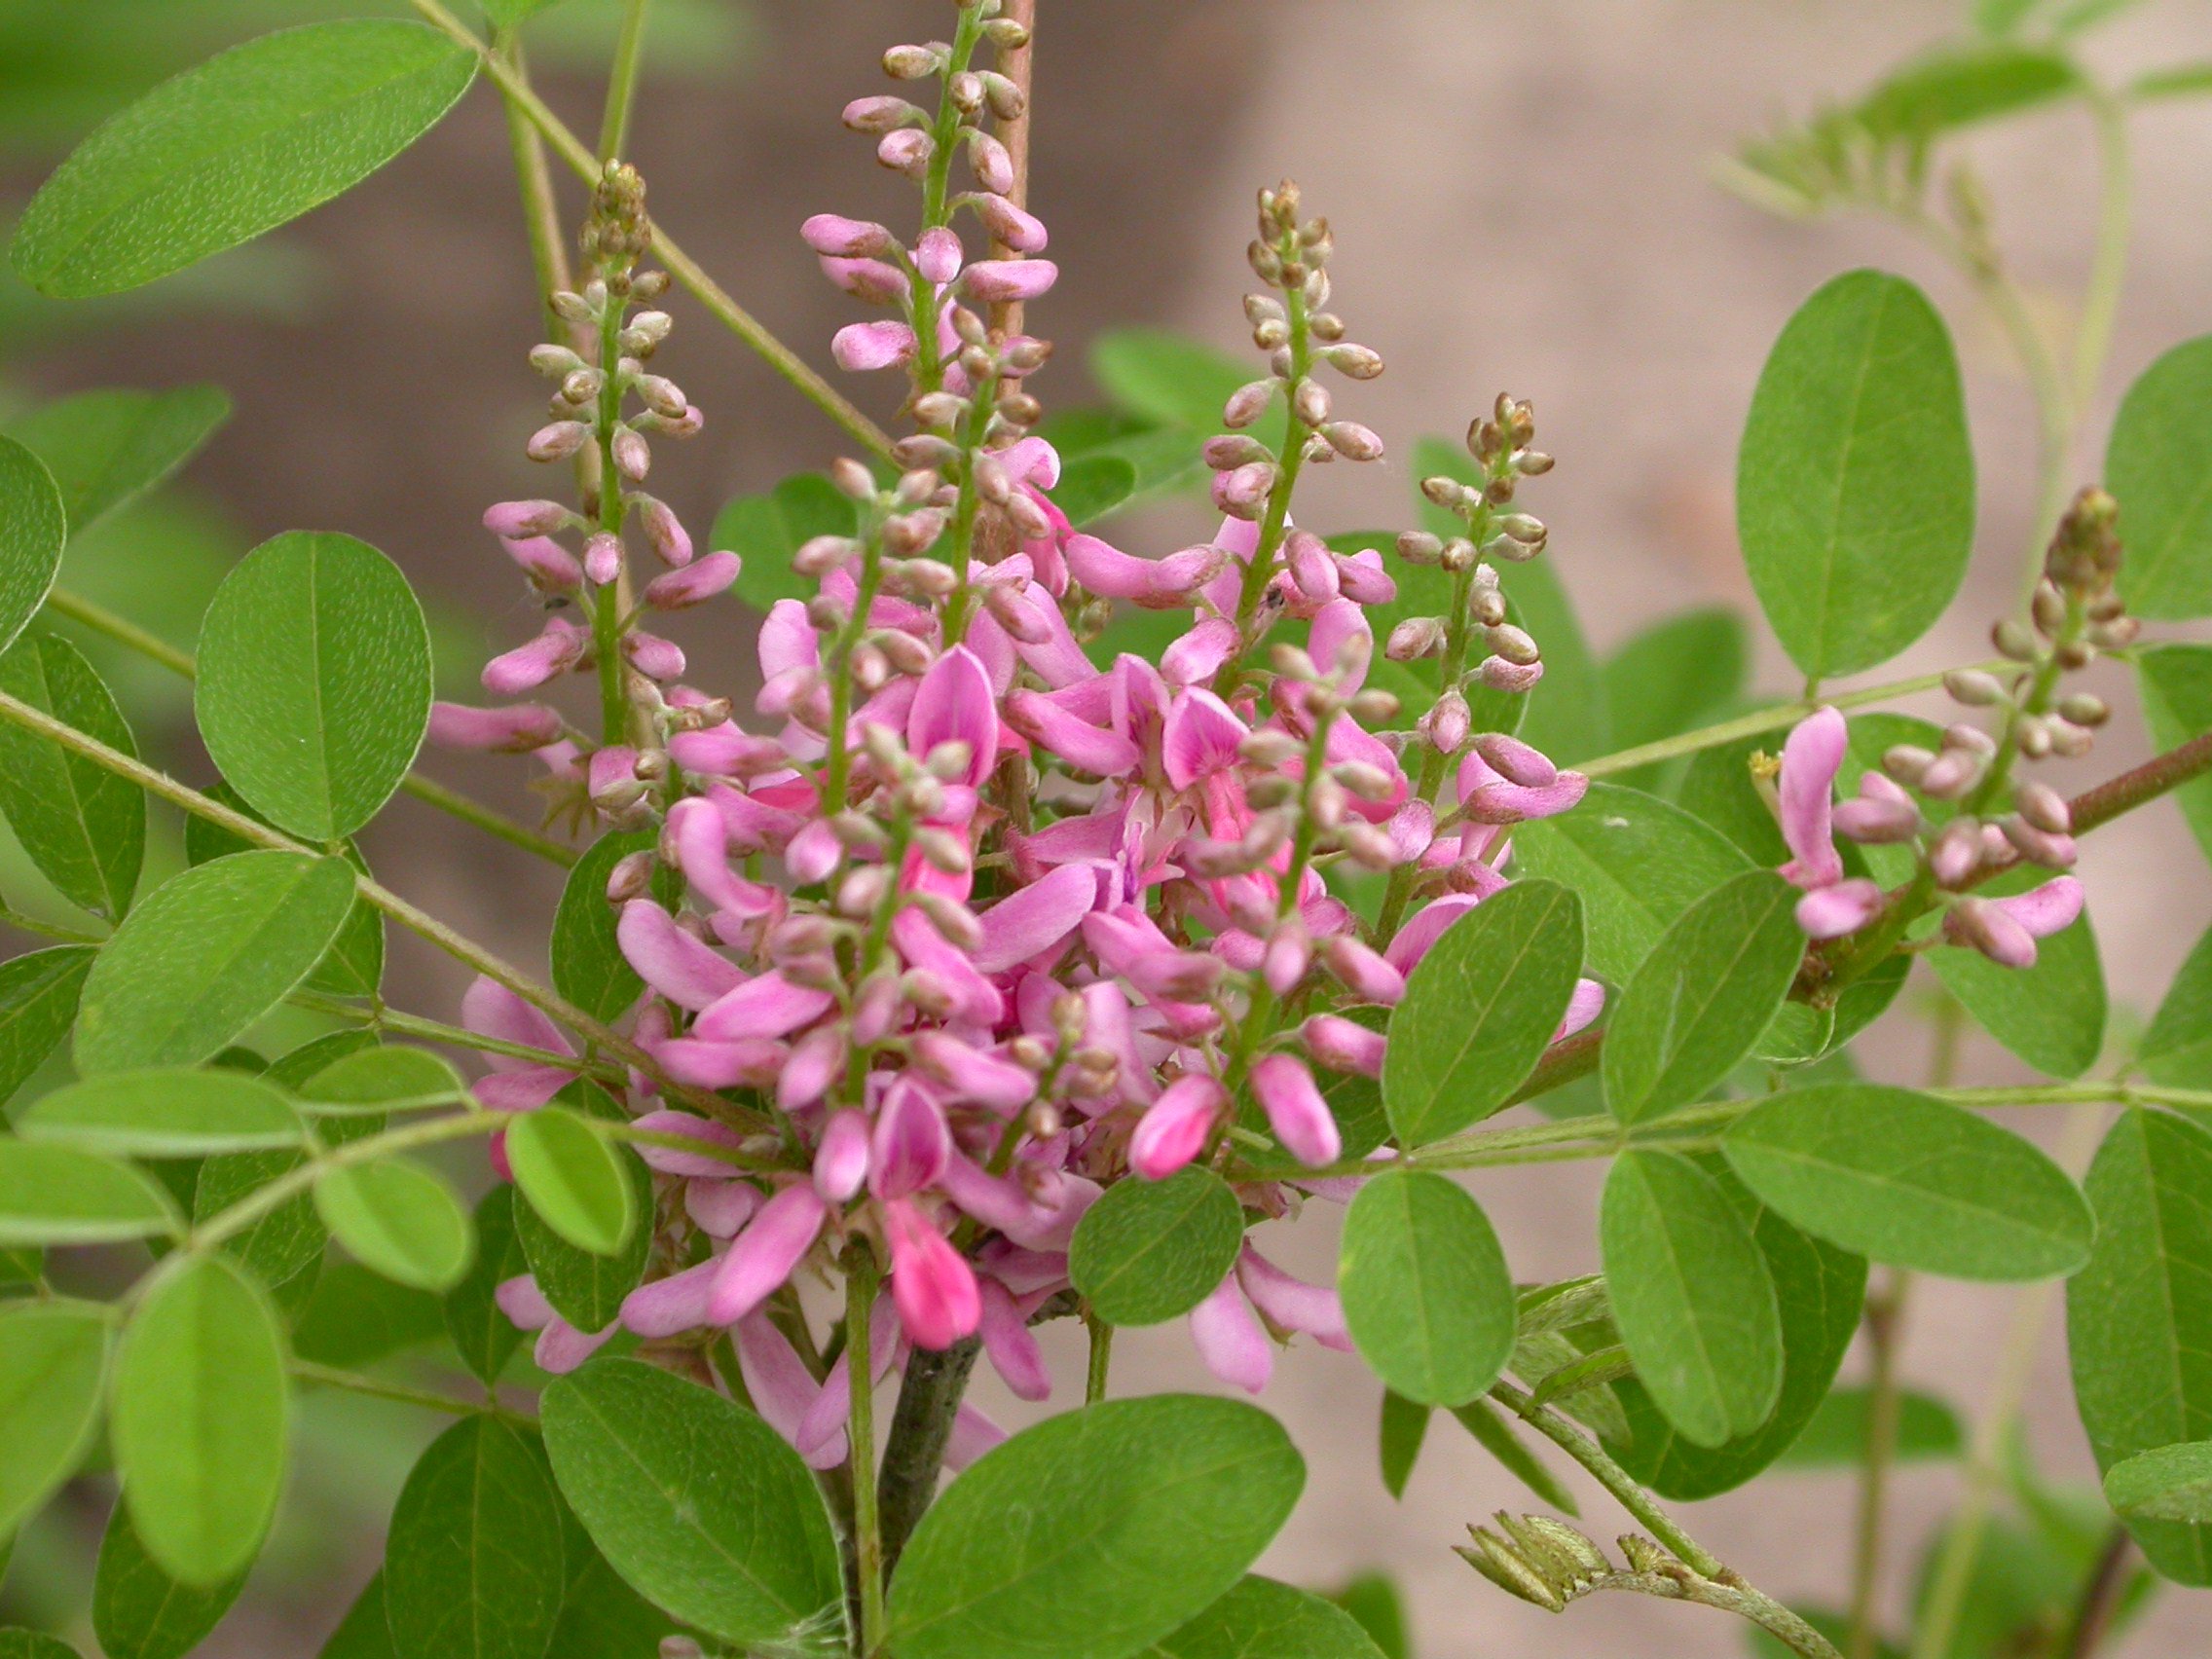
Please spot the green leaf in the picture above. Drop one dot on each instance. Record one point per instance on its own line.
(1636, 860)
(1716, 787)
(2173, 1483)
(1691, 1297)
(30, 1645)
(2177, 1049)
(364, 1633)
(585, 1287)
(1149, 1251)
(105, 448)
(356, 1317)
(768, 529)
(53, 1360)
(600, 1617)
(2157, 462)
(167, 1113)
(382, 1080)
(2176, 685)
(237, 146)
(1486, 1421)
(354, 965)
(2136, 1315)
(697, 1503)
(1167, 378)
(138, 1610)
(1911, 1179)
(1094, 1532)
(1567, 716)
(1426, 1292)
(569, 1175)
(206, 954)
(1964, 86)
(1405, 1426)
(589, 968)
(1674, 677)
(1855, 487)
(199, 1421)
(1835, 1435)
(1480, 1009)
(82, 825)
(473, 1568)
(32, 531)
(1819, 1292)
(38, 1004)
(484, 1338)
(2052, 1016)
(63, 1195)
(2183, 81)
(1262, 1619)
(1703, 995)
(1093, 486)
(1374, 1600)
(398, 1218)
(282, 1248)
(314, 681)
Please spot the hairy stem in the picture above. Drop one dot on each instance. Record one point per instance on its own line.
(540, 214)
(2155, 776)
(1101, 1359)
(128, 633)
(1883, 1317)
(921, 1427)
(682, 266)
(377, 1389)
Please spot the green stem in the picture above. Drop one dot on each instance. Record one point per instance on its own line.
(376, 1388)
(1102, 1358)
(921, 1426)
(867, 1525)
(1767, 720)
(534, 180)
(622, 82)
(1883, 1318)
(1985, 1457)
(682, 266)
(438, 1031)
(373, 893)
(839, 770)
(1610, 1475)
(2100, 1596)
(2115, 211)
(262, 1200)
(154, 648)
(1433, 761)
(1260, 571)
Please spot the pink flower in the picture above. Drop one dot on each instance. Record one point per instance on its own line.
(1300, 1118)
(954, 705)
(489, 1010)
(931, 1282)
(1174, 1127)
(1811, 759)
(516, 729)
(765, 1253)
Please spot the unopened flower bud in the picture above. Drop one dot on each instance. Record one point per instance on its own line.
(557, 441)
(1247, 403)
(1973, 688)
(2085, 708)
(1513, 645)
(1419, 547)
(1415, 637)
(1353, 441)
(1354, 362)
(633, 456)
(2013, 640)
(910, 63)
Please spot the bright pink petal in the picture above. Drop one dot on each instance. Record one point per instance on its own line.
(1811, 759)
(765, 1253)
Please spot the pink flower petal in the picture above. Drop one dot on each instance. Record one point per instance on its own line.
(1230, 1340)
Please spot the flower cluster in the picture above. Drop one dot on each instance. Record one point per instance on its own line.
(975, 921)
(1954, 822)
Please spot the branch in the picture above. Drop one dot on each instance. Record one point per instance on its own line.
(2147, 782)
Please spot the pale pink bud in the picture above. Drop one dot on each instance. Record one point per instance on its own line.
(674, 1161)
(1344, 1046)
(2047, 909)
(603, 557)
(1364, 971)
(550, 567)
(881, 113)
(1300, 1118)
(666, 533)
(694, 583)
(633, 456)
(906, 150)
(516, 731)
(1501, 676)
(840, 1163)
(1311, 1309)
(938, 255)
(998, 1085)
(868, 280)
(1285, 962)
(832, 235)
(652, 656)
(1515, 761)
(1830, 912)
(994, 166)
(991, 282)
(1584, 1004)
(931, 1283)
(559, 647)
(557, 441)
(1230, 1340)
(1174, 1127)
(1011, 226)
(514, 520)
(860, 346)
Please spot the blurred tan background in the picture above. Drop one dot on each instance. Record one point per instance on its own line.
(1521, 200)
